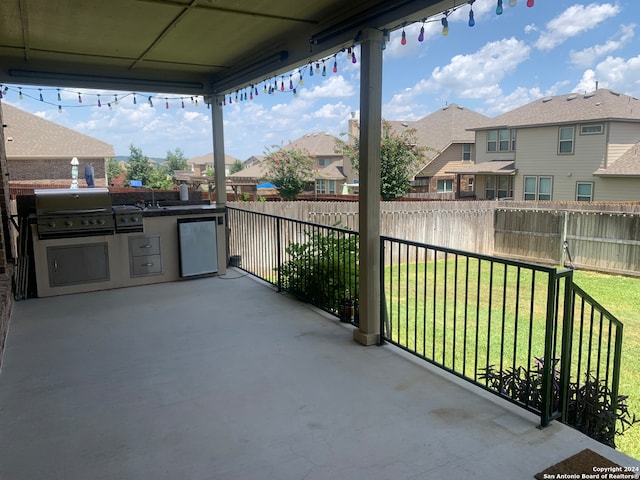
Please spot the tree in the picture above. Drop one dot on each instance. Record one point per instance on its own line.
(236, 167)
(289, 170)
(114, 169)
(399, 159)
(176, 160)
(139, 166)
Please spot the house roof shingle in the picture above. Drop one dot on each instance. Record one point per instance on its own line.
(443, 127)
(317, 144)
(30, 136)
(595, 106)
(628, 165)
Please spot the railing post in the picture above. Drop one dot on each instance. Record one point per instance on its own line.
(383, 300)
(567, 343)
(279, 253)
(547, 366)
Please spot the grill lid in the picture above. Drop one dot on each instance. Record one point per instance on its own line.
(67, 201)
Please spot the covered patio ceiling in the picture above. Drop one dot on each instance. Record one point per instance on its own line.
(183, 46)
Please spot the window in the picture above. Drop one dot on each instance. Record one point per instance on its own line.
(445, 186)
(498, 186)
(584, 191)
(325, 186)
(470, 184)
(565, 140)
(324, 162)
(593, 129)
(501, 140)
(466, 151)
(538, 188)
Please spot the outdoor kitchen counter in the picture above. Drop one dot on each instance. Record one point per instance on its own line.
(150, 255)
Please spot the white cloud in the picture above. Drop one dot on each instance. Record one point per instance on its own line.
(335, 86)
(615, 73)
(573, 21)
(588, 56)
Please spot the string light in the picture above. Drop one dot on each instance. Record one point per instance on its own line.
(472, 21)
(445, 25)
(271, 86)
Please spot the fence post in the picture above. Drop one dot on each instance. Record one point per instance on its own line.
(547, 366)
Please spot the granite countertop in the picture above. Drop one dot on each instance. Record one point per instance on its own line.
(188, 209)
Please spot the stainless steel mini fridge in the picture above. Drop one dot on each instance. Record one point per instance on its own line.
(198, 246)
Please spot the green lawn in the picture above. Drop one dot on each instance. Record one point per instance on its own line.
(467, 315)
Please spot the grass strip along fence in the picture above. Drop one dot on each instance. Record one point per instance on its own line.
(519, 330)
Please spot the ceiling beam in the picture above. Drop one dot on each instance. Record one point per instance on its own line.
(24, 23)
(236, 11)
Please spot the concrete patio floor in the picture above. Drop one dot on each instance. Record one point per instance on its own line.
(222, 378)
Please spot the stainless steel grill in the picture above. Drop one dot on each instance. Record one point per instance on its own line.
(73, 212)
(128, 218)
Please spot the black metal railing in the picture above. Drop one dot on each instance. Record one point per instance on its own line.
(507, 326)
(522, 331)
(316, 263)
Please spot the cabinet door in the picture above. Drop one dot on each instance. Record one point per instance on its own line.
(75, 264)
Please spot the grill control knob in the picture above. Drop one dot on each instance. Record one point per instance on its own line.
(92, 221)
(85, 222)
(134, 219)
(100, 221)
(51, 224)
(68, 223)
(123, 219)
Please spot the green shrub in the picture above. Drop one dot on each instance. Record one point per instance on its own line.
(322, 271)
(589, 410)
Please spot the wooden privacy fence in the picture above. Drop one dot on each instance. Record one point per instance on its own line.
(602, 237)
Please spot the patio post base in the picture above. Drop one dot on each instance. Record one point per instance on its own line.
(366, 339)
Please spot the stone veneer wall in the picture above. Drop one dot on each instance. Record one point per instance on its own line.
(6, 270)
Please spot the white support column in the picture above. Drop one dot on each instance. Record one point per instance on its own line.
(217, 127)
(218, 151)
(369, 201)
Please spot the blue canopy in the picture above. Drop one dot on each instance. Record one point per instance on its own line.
(266, 185)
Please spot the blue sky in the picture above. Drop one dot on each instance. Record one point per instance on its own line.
(503, 62)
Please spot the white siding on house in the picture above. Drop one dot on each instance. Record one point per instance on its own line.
(622, 136)
(617, 190)
(537, 155)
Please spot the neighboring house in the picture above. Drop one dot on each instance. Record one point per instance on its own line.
(328, 170)
(449, 145)
(328, 173)
(583, 147)
(39, 152)
(199, 165)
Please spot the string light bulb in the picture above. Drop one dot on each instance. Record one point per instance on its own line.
(20, 96)
(150, 101)
(353, 57)
(59, 96)
(472, 21)
(530, 3)
(499, 8)
(311, 69)
(403, 41)
(421, 35)
(79, 98)
(115, 100)
(445, 26)
(166, 103)
(335, 64)
(324, 69)
(513, 3)
(41, 98)
(135, 100)
(99, 102)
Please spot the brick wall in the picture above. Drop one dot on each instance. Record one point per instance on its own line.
(54, 169)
